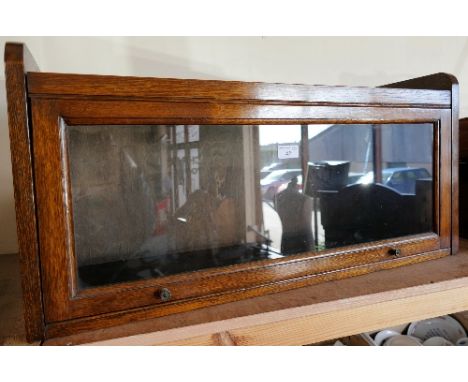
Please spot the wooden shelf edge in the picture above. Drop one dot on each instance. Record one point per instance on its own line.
(307, 315)
(317, 322)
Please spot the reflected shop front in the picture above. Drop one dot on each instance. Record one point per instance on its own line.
(190, 197)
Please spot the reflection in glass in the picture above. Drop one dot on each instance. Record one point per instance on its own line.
(151, 201)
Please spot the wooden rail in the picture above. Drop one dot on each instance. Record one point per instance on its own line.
(308, 315)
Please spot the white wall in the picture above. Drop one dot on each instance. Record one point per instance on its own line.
(362, 61)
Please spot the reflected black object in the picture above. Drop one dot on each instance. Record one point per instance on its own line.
(331, 175)
(369, 212)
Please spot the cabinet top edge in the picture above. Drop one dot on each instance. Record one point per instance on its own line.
(85, 85)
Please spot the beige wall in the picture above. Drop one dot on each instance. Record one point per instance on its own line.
(329, 61)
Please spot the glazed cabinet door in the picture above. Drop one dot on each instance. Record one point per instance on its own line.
(170, 206)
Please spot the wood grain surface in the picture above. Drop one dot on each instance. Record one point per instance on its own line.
(57, 84)
(17, 61)
(307, 315)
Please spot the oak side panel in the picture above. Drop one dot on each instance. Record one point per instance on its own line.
(17, 61)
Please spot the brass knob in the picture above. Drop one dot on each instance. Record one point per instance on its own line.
(165, 294)
(394, 252)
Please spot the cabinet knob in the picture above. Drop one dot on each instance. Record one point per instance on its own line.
(395, 252)
(165, 294)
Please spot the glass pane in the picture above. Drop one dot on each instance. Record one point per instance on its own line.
(151, 201)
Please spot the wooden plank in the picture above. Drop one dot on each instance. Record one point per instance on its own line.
(413, 292)
(59, 84)
(333, 324)
(17, 60)
(104, 112)
(320, 322)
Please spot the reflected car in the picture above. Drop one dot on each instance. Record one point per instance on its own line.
(278, 180)
(267, 170)
(401, 179)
